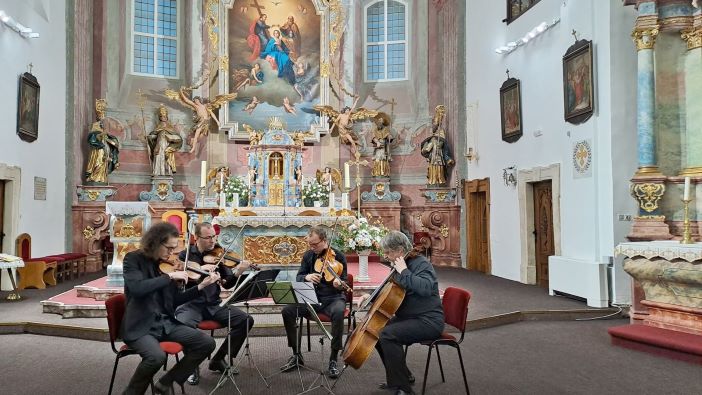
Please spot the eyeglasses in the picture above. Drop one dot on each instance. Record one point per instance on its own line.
(208, 237)
(170, 248)
(314, 245)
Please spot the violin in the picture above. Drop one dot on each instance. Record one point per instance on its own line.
(195, 273)
(330, 268)
(218, 254)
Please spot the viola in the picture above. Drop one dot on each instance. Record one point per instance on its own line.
(330, 268)
(195, 273)
(218, 254)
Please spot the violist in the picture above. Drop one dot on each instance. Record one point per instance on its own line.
(330, 295)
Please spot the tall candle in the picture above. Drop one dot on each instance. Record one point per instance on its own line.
(235, 200)
(332, 198)
(222, 201)
(347, 176)
(344, 201)
(203, 173)
(303, 180)
(221, 181)
(686, 194)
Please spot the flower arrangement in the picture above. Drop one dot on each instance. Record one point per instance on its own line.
(360, 236)
(314, 191)
(237, 185)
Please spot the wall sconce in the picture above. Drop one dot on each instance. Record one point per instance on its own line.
(509, 175)
(471, 155)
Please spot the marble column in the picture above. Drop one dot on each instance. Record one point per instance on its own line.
(645, 39)
(693, 102)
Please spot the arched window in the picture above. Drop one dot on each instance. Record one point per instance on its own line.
(155, 38)
(385, 55)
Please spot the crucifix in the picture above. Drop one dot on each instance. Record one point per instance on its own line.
(257, 7)
(30, 68)
(358, 163)
(575, 35)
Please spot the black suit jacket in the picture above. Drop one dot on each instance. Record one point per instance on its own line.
(143, 284)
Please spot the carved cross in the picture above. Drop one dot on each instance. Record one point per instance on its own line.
(358, 163)
(30, 68)
(257, 7)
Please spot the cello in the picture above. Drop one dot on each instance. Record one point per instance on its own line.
(386, 300)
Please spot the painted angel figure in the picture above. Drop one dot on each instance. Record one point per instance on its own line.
(203, 111)
(330, 178)
(341, 123)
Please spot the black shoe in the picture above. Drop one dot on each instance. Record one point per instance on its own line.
(411, 378)
(293, 363)
(403, 392)
(194, 379)
(160, 388)
(217, 365)
(384, 386)
(333, 371)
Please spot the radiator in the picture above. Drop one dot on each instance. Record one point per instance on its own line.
(578, 277)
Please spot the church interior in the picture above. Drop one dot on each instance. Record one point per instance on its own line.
(539, 154)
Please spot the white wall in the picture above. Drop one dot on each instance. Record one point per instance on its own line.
(586, 203)
(45, 157)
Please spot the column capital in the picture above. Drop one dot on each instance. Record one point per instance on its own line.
(693, 37)
(645, 37)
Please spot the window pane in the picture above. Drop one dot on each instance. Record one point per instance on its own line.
(167, 17)
(396, 21)
(375, 64)
(143, 54)
(143, 15)
(166, 57)
(396, 61)
(375, 21)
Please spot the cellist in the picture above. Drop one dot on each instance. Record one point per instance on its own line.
(420, 316)
(330, 295)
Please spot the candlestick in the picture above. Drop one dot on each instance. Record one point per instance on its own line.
(203, 173)
(332, 198)
(235, 200)
(221, 181)
(345, 201)
(687, 237)
(686, 193)
(347, 176)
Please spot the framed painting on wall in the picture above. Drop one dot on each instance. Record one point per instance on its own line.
(28, 108)
(511, 110)
(578, 83)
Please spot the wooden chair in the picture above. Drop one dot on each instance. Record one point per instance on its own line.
(177, 218)
(36, 273)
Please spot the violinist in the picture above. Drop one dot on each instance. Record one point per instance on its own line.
(149, 315)
(206, 306)
(329, 293)
(420, 316)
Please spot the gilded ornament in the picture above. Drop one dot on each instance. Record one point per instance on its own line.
(162, 190)
(88, 233)
(127, 228)
(441, 196)
(275, 123)
(212, 5)
(324, 70)
(693, 37)
(444, 230)
(283, 250)
(645, 38)
(648, 195)
(380, 190)
(224, 63)
(92, 194)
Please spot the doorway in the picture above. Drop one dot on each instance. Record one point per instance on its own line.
(543, 230)
(2, 215)
(477, 194)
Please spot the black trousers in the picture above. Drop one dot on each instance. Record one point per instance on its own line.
(332, 307)
(196, 346)
(396, 334)
(191, 314)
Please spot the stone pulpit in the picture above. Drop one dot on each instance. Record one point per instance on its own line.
(128, 222)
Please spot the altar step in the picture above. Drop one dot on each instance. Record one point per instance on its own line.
(664, 342)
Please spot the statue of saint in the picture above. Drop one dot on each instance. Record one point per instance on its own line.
(104, 149)
(436, 150)
(381, 146)
(163, 142)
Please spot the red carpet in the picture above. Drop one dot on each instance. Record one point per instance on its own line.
(672, 344)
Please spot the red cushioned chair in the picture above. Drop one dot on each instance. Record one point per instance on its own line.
(455, 303)
(347, 313)
(115, 307)
(209, 325)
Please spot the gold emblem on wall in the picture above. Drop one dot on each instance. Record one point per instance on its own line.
(124, 248)
(441, 196)
(648, 195)
(92, 194)
(444, 230)
(88, 233)
(162, 190)
(280, 250)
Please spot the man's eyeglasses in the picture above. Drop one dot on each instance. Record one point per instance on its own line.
(170, 248)
(314, 245)
(208, 237)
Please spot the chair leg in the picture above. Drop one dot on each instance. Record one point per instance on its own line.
(112, 380)
(426, 370)
(441, 367)
(463, 369)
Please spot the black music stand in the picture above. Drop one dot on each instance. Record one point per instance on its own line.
(250, 288)
(301, 294)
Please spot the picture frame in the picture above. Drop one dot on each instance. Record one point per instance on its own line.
(511, 110)
(28, 107)
(578, 83)
(517, 8)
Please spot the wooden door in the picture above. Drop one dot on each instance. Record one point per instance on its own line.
(2, 214)
(477, 194)
(543, 230)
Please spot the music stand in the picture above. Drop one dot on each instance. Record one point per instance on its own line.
(301, 293)
(248, 289)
